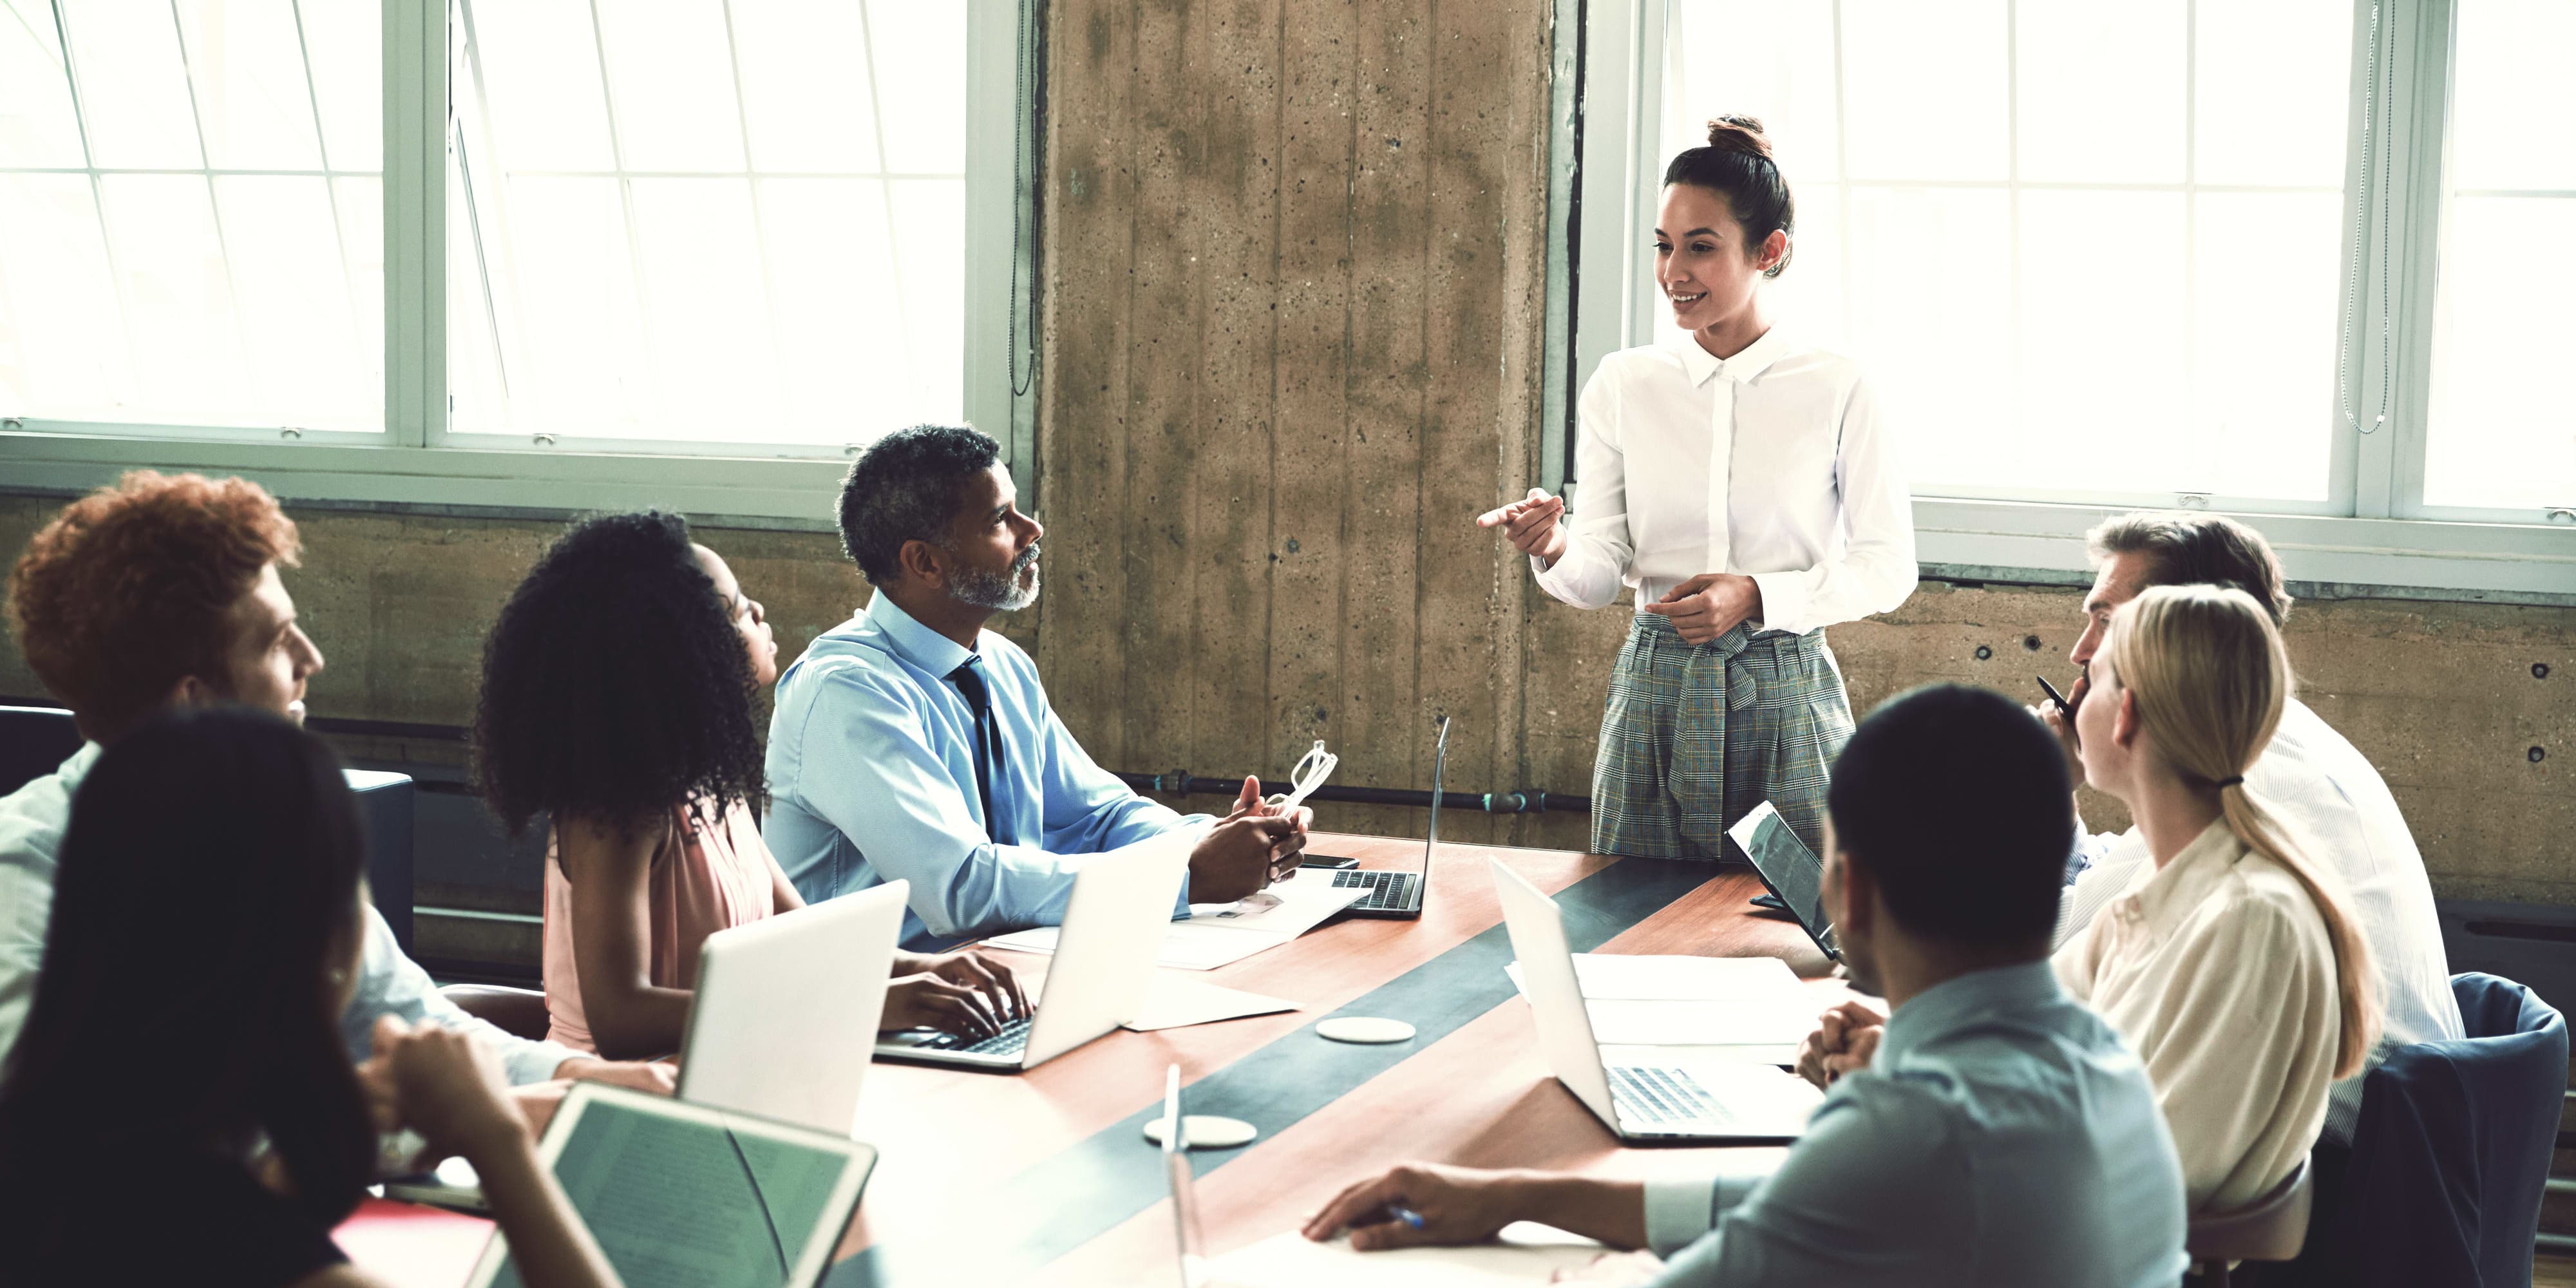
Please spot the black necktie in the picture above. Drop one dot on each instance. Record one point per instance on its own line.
(988, 743)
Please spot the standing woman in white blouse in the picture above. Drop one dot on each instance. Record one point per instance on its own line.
(1742, 484)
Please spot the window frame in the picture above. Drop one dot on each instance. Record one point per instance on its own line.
(410, 462)
(2373, 531)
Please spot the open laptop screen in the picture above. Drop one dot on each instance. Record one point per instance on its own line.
(683, 1194)
(1789, 868)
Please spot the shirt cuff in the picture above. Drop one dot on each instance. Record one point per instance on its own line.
(1679, 1210)
(527, 1062)
(1784, 600)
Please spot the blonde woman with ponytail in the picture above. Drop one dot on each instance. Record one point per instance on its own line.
(2232, 965)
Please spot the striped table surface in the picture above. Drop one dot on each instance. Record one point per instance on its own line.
(1045, 1177)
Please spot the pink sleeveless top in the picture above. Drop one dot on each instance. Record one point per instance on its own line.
(707, 876)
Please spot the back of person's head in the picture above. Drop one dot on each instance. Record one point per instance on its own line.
(2205, 667)
(907, 487)
(131, 589)
(1736, 163)
(1956, 803)
(615, 687)
(2183, 549)
(205, 923)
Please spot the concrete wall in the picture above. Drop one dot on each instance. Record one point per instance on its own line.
(1293, 331)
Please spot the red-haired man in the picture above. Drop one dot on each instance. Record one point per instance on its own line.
(162, 590)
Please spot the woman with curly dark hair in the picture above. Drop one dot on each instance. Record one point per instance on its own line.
(617, 698)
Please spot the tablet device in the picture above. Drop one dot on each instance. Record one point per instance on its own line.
(1792, 872)
(678, 1193)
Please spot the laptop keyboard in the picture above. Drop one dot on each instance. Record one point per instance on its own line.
(1662, 1097)
(1013, 1039)
(1386, 889)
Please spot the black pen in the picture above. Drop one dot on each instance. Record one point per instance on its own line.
(2064, 712)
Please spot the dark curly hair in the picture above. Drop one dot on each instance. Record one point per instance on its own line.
(128, 589)
(905, 488)
(614, 686)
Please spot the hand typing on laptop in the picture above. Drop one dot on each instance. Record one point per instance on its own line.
(966, 993)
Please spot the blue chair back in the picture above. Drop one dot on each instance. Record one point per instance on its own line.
(2451, 1153)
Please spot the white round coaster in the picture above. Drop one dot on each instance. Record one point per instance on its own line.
(1364, 1029)
(1205, 1131)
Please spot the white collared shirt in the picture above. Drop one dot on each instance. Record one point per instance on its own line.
(2345, 820)
(1771, 463)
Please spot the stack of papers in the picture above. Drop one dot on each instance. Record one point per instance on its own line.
(1754, 1007)
(1218, 933)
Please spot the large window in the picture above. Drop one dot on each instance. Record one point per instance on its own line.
(2286, 257)
(554, 252)
(2502, 431)
(738, 221)
(191, 213)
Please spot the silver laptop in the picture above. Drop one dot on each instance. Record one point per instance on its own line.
(1392, 892)
(786, 1010)
(1103, 967)
(1644, 1101)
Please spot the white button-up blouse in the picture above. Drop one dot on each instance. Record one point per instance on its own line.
(1771, 463)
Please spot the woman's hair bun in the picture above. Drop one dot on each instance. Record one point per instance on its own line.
(1739, 134)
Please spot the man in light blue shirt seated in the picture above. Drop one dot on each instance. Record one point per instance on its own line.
(2004, 1136)
(909, 742)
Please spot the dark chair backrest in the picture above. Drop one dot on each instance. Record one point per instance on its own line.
(386, 802)
(2451, 1153)
(34, 741)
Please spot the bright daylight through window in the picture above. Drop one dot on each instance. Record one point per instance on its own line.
(740, 222)
(2084, 248)
(191, 221)
(2502, 429)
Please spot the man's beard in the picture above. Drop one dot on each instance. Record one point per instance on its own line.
(1001, 591)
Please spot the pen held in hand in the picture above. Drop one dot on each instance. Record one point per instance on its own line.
(1411, 1219)
(2064, 712)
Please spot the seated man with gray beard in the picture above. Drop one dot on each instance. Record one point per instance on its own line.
(909, 742)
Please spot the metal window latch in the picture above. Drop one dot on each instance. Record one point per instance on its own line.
(12, 424)
(289, 432)
(543, 440)
(2562, 514)
(2193, 500)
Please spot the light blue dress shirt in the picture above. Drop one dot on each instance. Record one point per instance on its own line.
(2004, 1136)
(33, 820)
(872, 778)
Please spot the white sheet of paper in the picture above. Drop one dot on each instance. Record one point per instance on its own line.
(1178, 1001)
(1679, 978)
(1756, 1022)
(1218, 933)
(1303, 904)
(1290, 1260)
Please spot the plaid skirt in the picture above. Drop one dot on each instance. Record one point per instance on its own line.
(1695, 735)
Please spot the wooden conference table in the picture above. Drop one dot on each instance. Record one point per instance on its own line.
(1046, 1177)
